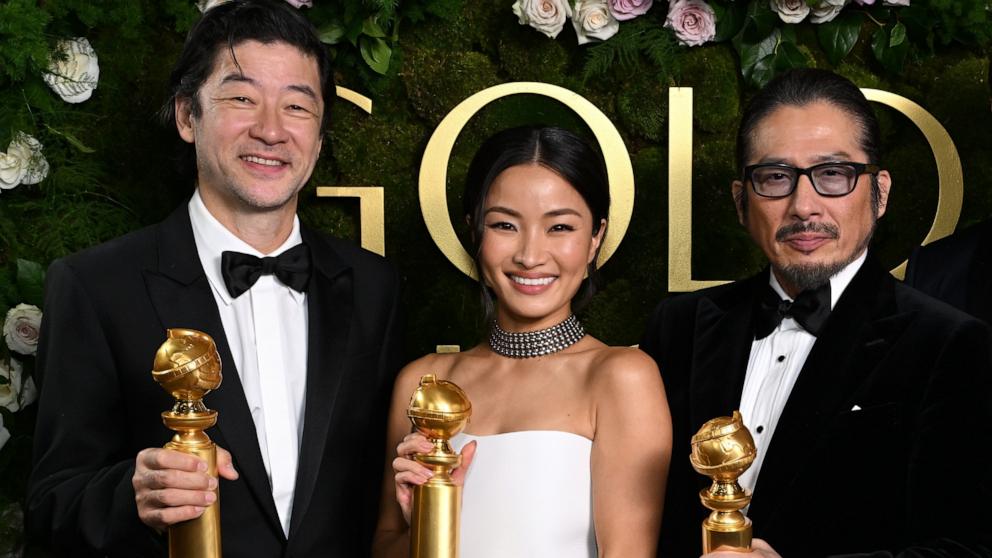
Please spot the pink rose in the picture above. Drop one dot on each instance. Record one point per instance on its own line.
(790, 11)
(547, 16)
(693, 21)
(629, 9)
(21, 328)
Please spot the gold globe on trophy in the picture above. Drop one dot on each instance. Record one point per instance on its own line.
(188, 366)
(722, 450)
(439, 409)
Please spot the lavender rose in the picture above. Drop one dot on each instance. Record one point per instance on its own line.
(16, 392)
(629, 9)
(21, 328)
(547, 16)
(827, 10)
(693, 21)
(592, 20)
(790, 11)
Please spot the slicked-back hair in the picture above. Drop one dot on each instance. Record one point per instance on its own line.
(799, 88)
(226, 26)
(556, 149)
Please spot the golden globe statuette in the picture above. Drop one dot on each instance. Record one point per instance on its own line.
(722, 450)
(439, 409)
(188, 366)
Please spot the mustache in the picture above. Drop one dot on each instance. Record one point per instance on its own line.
(783, 233)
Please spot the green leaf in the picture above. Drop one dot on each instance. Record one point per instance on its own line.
(371, 28)
(891, 57)
(788, 56)
(730, 19)
(331, 34)
(839, 36)
(757, 59)
(375, 52)
(31, 282)
(898, 35)
(73, 140)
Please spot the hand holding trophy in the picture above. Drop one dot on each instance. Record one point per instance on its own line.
(438, 409)
(722, 450)
(188, 366)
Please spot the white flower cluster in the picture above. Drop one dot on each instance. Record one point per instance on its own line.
(15, 392)
(821, 11)
(22, 163)
(73, 70)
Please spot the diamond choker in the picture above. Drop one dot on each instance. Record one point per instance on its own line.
(530, 344)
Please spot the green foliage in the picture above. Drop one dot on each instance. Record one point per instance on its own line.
(839, 36)
(22, 41)
(636, 41)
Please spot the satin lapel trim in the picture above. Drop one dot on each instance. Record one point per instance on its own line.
(329, 309)
(860, 332)
(723, 343)
(181, 294)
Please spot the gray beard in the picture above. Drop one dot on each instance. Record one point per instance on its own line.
(806, 277)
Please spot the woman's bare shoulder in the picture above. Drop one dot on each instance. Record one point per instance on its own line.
(625, 368)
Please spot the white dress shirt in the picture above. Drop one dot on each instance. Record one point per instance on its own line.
(266, 328)
(773, 368)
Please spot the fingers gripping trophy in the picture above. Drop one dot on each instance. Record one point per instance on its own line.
(439, 409)
(188, 366)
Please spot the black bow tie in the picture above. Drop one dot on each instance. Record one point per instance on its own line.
(240, 271)
(810, 310)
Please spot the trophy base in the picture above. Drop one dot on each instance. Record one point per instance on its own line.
(739, 539)
(200, 537)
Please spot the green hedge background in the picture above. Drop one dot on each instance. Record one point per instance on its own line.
(112, 164)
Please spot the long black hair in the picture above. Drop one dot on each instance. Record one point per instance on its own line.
(559, 150)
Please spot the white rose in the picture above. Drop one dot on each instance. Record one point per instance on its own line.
(4, 433)
(547, 16)
(15, 392)
(592, 20)
(21, 328)
(73, 70)
(23, 162)
(205, 5)
(790, 11)
(827, 10)
(895, 3)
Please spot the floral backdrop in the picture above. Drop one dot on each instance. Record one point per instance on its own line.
(86, 159)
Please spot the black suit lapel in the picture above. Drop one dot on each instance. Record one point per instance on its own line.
(858, 335)
(181, 294)
(723, 343)
(329, 311)
(978, 290)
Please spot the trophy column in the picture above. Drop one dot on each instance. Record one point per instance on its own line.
(188, 366)
(439, 410)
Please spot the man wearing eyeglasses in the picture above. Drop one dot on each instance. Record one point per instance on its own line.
(869, 402)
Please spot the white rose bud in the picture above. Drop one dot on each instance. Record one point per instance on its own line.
(547, 16)
(790, 11)
(23, 163)
(15, 392)
(21, 328)
(592, 20)
(73, 71)
(827, 10)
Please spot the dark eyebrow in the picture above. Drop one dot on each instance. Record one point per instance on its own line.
(826, 158)
(562, 211)
(501, 209)
(234, 77)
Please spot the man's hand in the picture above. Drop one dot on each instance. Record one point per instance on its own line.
(759, 549)
(171, 486)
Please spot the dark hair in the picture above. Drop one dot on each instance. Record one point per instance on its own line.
(558, 150)
(226, 26)
(804, 86)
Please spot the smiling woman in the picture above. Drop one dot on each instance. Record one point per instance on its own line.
(570, 439)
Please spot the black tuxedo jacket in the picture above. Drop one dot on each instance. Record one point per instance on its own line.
(957, 270)
(899, 477)
(106, 312)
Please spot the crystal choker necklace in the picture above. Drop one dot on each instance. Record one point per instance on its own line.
(536, 343)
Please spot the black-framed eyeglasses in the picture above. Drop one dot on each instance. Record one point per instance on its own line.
(834, 179)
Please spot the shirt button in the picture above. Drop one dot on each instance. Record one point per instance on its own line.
(781, 358)
(760, 429)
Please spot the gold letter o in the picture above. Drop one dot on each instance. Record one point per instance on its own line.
(434, 167)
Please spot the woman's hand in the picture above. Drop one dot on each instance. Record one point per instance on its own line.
(410, 473)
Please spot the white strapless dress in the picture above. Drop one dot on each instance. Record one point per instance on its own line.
(528, 495)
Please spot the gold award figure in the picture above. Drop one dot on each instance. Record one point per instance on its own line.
(188, 366)
(439, 409)
(722, 450)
